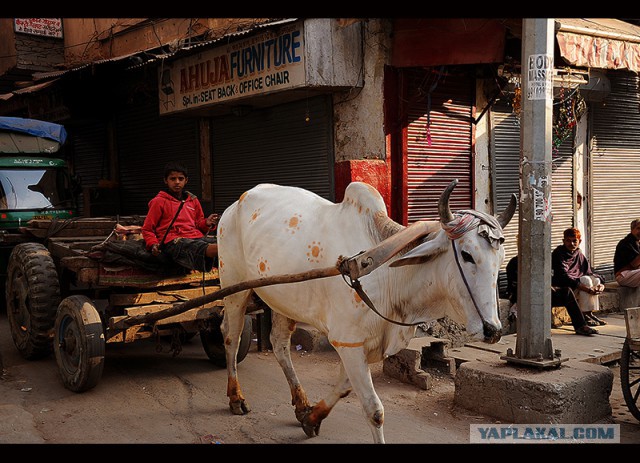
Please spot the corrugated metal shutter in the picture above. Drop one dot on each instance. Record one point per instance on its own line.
(274, 145)
(90, 158)
(505, 163)
(446, 119)
(614, 166)
(145, 143)
(562, 188)
(505, 158)
(505, 149)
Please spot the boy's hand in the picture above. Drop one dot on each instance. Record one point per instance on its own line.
(212, 220)
(155, 249)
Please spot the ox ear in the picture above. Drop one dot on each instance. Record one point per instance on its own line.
(423, 252)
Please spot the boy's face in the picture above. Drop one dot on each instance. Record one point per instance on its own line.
(571, 243)
(176, 181)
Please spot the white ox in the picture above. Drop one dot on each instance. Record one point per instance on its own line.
(276, 230)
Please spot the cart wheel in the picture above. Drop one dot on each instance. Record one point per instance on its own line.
(630, 377)
(79, 343)
(214, 344)
(32, 297)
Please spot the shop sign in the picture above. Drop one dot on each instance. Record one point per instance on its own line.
(265, 63)
(47, 27)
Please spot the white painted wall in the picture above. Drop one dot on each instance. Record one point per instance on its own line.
(358, 112)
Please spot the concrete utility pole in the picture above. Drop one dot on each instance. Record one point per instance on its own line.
(533, 344)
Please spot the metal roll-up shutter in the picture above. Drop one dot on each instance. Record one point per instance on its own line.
(438, 142)
(614, 166)
(145, 143)
(505, 164)
(562, 188)
(90, 157)
(289, 144)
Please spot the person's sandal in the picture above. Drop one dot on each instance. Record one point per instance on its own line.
(597, 320)
(586, 330)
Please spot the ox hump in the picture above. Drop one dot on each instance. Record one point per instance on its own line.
(365, 198)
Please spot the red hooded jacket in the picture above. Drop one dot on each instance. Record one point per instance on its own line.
(190, 223)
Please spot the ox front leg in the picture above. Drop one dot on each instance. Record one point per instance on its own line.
(281, 330)
(232, 325)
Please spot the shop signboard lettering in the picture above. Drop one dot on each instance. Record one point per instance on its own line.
(47, 27)
(268, 62)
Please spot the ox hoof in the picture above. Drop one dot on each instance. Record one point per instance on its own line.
(302, 414)
(239, 408)
(311, 430)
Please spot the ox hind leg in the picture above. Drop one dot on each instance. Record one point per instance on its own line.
(281, 330)
(355, 365)
(310, 417)
(232, 325)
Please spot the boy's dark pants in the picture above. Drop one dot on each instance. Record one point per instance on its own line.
(564, 296)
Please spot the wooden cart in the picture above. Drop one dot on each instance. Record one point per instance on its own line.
(61, 299)
(630, 362)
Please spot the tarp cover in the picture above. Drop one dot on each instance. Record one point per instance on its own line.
(34, 127)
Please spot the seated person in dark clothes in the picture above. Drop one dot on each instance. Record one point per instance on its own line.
(626, 260)
(176, 226)
(569, 265)
(512, 288)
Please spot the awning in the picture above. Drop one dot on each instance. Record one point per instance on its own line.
(600, 43)
(30, 89)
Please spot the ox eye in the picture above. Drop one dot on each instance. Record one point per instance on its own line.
(467, 257)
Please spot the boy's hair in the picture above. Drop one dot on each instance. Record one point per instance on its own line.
(573, 233)
(634, 222)
(175, 167)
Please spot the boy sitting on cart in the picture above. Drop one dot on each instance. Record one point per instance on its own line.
(175, 224)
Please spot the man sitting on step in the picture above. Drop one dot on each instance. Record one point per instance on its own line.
(626, 260)
(572, 274)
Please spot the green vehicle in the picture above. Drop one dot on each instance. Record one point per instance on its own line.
(34, 184)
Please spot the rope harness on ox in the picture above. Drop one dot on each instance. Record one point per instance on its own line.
(463, 222)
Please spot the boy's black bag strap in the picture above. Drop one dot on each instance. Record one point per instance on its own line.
(172, 221)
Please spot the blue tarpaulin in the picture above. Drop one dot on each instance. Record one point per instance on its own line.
(34, 127)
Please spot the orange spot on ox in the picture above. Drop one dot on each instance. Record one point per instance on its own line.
(242, 196)
(255, 215)
(263, 267)
(293, 223)
(315, 252)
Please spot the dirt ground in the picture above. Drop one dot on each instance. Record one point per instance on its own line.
(151, 397)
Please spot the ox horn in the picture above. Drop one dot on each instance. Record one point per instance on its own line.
(443, 205)
(505, 216)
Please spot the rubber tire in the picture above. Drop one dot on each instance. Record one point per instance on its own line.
(79, 343)
(213, 342)
(32, 298)
(630, 362)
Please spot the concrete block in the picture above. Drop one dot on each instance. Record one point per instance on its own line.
(559, 316)
(576, 392)
(405, 366)
(628, 297)
(421, 353)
